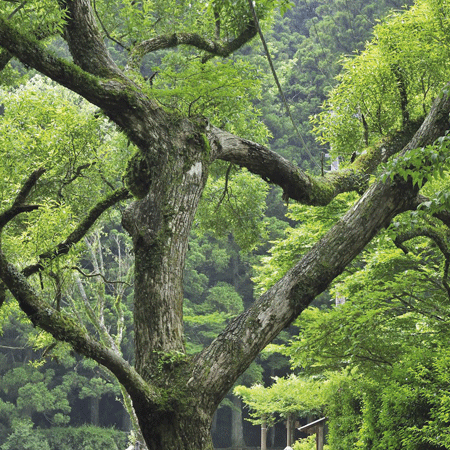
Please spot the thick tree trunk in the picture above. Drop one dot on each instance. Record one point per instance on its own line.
(160, 223)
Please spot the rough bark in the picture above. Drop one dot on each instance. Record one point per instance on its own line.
(160, 224)
(174, 397)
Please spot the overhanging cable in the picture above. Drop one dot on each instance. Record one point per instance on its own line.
(280, 90)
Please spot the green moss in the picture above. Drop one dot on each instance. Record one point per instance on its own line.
(137, 177)
(206, 145)
(322, 192)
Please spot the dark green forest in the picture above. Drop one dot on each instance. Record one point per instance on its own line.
(369, 351)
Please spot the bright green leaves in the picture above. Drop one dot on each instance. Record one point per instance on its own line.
(235, 15)
(421, 164)
(313, 223)
(290, 395)
(237, 206)
(221, 90)
(392, 81)
(46, 126)
(44, 18)
(131, 22)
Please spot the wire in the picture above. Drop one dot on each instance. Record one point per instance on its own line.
(272, 68)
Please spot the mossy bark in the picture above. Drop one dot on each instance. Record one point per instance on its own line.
(160, 223)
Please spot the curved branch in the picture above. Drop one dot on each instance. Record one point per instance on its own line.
(91, 275)
(34, 54)
(118, 97)
(250, 332)
(231, 352)
(437, 239)
(443, 216)
(213, 47)
(79, 232)
(85, 41)
(106, 31)
(310, 190)
(273, 168)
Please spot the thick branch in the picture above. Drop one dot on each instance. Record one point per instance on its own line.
(34, 54)
(85, 41)
(28, 185)
(41, 33)
(232, 351)
(272, 167)
(79, 232)
(213, 47)
(120, 99)
(64, 328)
(249, 333)
(310, 190)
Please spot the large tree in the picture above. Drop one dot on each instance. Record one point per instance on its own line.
(174, 397)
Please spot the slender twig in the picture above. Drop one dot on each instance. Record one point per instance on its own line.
(91, 275)
(437, 239)
(18, 205)
(17, 10)
(225, 189)
(79, 232)
(106, 31)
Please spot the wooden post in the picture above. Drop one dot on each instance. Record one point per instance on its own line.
(289, 431)
(316, 427)
(264, 435)
(319, 436)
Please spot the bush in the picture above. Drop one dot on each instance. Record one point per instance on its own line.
(25, 438)
(86, 437)
(308, 443)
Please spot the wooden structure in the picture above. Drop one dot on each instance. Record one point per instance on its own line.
(315, 427)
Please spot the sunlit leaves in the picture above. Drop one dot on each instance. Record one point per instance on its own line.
(393, 80)
(220, 90)
(291, 395)
(313, 223)
(44, 18)
(46, 126)
(234, 206)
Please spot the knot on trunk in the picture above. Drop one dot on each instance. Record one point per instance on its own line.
(137, 177)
